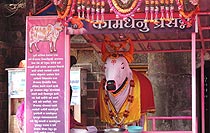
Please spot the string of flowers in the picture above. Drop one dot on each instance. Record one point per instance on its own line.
(167, 10)
(152, 9)
(116, 6)
(98, 4)
(63, 14)
(79, 8)
(156, 12)
(190, 16)
(83, 9)
(93, 10)
(171, 10)
(113, 114)
(57, 2)
(102, 10)
(71, 12)
(88, 11)
(146, 19)
(162, 9)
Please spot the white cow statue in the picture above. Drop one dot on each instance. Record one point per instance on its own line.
(125, 96)
(48, 33)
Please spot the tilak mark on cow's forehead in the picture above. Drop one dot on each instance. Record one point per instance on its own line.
(113, 61)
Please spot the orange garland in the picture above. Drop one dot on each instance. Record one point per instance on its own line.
(125, 10)
(115, 49)
(190, 14)
(64, 14)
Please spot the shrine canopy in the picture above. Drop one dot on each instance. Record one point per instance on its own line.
(90, 16)
(153, 25)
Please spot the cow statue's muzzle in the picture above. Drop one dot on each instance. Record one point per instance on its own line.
(111, 85)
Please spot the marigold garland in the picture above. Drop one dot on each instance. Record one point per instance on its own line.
(186, 15)
(156, 12)
(66, 8)
(64, 14)
(146, 19)
(124, 12)
(113, 114)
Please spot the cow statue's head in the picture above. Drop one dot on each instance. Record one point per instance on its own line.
(117, 69)
(117, 73)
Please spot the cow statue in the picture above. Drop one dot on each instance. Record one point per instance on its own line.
(48, 33)
(125, 96)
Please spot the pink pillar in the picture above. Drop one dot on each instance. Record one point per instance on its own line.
(67, 81)
(202, 92)
(194, 125)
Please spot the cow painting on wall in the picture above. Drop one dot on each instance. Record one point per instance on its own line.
(48, 33)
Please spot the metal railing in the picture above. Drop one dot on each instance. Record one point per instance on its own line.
(155, 118)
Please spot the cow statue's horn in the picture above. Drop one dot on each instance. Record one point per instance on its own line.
(104, 51)
(115, 50)
(129, 55)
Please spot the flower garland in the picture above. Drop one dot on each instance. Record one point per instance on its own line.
(115, 49)
(171, 10)
(162, 9)
(98, 4)
(167, 10)
(119, 9)
(156, 12)
(102, 10)
(146, 19)
(113, 114)
(57, 2)
(70, 15)
(88, 11)
(79, 8)
(93, 10)
(63, 14)
(187, 15)
(152, 9)
(83, 8)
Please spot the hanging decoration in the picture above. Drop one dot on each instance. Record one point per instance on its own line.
(152, 9)
(124, 8)
(146, 11)
(89, 10)
(63, 8)
(188, 10)
(171, 9)
(155, 10)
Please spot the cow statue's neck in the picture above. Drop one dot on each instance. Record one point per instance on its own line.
(118, 97)
(117, 102)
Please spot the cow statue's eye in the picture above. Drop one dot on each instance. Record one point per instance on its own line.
(122, 66)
